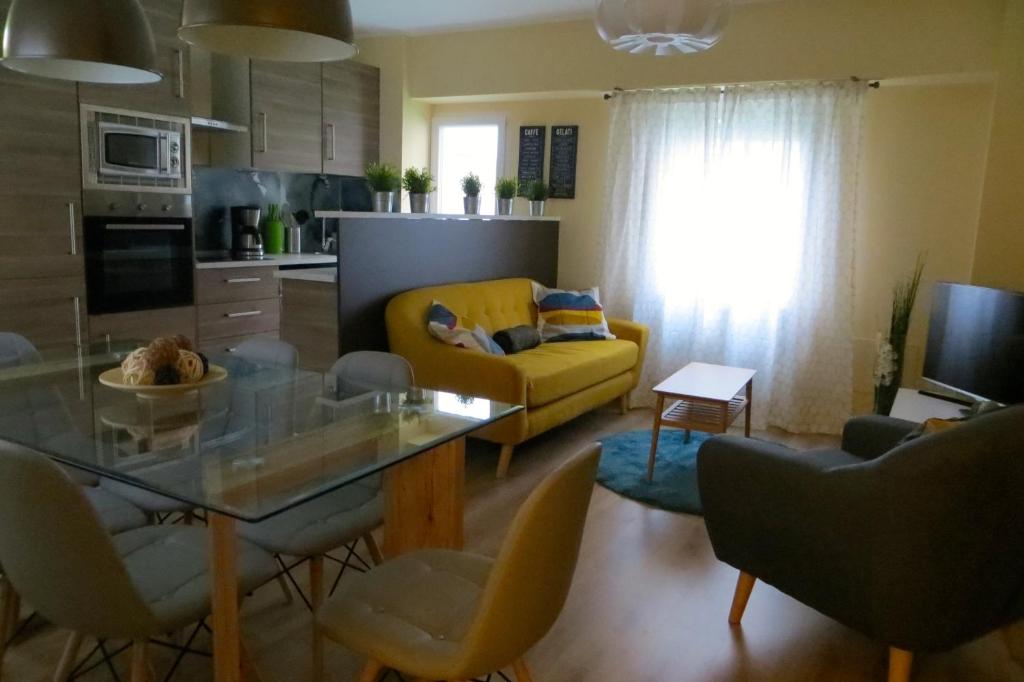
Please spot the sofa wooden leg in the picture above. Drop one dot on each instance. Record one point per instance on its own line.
(900, 662)
(504, 460)
(744, 586)
(624, 403)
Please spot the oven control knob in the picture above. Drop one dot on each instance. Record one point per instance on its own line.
(174, 162)
(142, 207)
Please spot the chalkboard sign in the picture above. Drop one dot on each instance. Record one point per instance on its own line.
(562, 175)
(531, 154)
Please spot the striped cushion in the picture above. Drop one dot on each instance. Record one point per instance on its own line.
(570, 315)
(446, 326)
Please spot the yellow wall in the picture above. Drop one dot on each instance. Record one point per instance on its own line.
(999, 260)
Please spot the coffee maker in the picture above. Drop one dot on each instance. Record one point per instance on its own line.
(246, 241)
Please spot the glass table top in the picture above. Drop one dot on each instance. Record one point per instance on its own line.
(264, 440)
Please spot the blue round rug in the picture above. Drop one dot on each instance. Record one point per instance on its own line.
(624, 469)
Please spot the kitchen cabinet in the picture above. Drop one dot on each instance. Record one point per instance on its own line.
(48, 311)
(286, 117)
(143, 325)
(169, 96)
(236, 304)
(351, 114)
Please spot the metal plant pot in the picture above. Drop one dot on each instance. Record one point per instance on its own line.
(418, 203)
(537, 208)
(505, 206)
(471, 205)
(383, 202)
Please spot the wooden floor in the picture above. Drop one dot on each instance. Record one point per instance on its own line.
(649, 601)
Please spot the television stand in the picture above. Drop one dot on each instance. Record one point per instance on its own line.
(947, 398)
(916, 407)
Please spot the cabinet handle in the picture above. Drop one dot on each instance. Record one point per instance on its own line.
(264, 124)
(179, 90)
(247, 313)
(243, 280)
(72, 224)
(332, 143)
(77, 302)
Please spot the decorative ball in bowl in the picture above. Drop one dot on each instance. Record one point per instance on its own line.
(168, 366)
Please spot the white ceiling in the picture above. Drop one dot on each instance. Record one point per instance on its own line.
(375, 17)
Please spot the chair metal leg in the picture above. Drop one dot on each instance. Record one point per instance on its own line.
(316, 598)
(504, 460)
(522, 672)
(371, 671)
(900, 662)
(68, 658)
(744, 586)
(287, 591)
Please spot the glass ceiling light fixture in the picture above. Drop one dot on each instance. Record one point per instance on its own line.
(277, 30)
(662, 27)
(95, 41)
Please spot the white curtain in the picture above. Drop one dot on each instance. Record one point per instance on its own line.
(729, 229)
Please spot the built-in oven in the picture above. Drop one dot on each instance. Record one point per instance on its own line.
(138, 251)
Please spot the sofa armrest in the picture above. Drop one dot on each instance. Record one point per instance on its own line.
(872, 436)
(638, 334)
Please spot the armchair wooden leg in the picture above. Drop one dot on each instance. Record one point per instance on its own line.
(316, 598)
(140, 663)
(68, 658)
(744, 586)
(900, 662)
(522, 672)
(371, 671)
(504, 460)
(373, 548)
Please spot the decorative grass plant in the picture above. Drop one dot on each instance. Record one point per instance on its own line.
(536, 190)
(471, 185)
(382, 177)
(418, 181)
(890, 361)
(506, 188)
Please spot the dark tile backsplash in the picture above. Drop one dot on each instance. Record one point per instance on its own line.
(216, 190)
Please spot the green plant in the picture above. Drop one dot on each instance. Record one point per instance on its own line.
(890, 361)
(471, 185)
(273, 212)
(418, 181)
(382, 177)
(536, 190)
(506, 188)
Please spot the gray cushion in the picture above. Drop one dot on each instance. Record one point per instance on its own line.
(116, 514)
(169, 567)
(321, 525)
(180, 475)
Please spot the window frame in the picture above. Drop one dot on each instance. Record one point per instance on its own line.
(499, 120)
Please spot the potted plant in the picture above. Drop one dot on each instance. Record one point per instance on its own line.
(384, 181)
(506, 189)
(537, 194)
(419, 183)
(889, 363)
(471, 188)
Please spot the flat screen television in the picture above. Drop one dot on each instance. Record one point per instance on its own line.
(976, 342)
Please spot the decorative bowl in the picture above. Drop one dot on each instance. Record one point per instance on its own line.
(114, 378)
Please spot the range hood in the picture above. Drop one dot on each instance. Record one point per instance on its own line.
(214, 125)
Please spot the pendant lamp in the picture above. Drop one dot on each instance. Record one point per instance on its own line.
(662, 27)
(277, 30)
(95, 41)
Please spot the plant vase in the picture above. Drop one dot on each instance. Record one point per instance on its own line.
(505, 206)
(537, 208)
(383, 202)
(471, 205)
(418, 203)
(890, 360)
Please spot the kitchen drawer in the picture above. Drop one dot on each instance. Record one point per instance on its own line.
(228, 344)
(219, 320)
(143, 325)
(228, 285)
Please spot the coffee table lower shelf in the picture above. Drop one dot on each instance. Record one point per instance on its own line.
(704, 416)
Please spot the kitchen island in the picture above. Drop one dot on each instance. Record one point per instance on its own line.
(309, 315)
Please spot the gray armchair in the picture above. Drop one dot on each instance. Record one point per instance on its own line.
(919, 545)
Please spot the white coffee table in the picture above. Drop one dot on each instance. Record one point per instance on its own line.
(708, 398)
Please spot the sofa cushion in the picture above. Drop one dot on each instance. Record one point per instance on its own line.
(555, 370)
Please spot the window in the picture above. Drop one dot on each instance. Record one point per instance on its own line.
(463, 146)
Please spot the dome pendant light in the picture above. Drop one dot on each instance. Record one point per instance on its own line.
(95, 41)
(292, 31)
(662, 27)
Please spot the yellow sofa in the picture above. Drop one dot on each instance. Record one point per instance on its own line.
(555, 381)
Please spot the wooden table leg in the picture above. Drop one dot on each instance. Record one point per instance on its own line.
(750, 407)
(227, 666)
(424, 499)
(655, 433)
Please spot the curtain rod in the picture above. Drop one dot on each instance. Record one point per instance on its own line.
(722, 86)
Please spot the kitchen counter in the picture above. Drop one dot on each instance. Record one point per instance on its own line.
(282, 260)
(326, 275)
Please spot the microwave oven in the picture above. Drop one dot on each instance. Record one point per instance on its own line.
(134, 151)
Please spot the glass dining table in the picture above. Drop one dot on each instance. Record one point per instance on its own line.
(265, 440)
